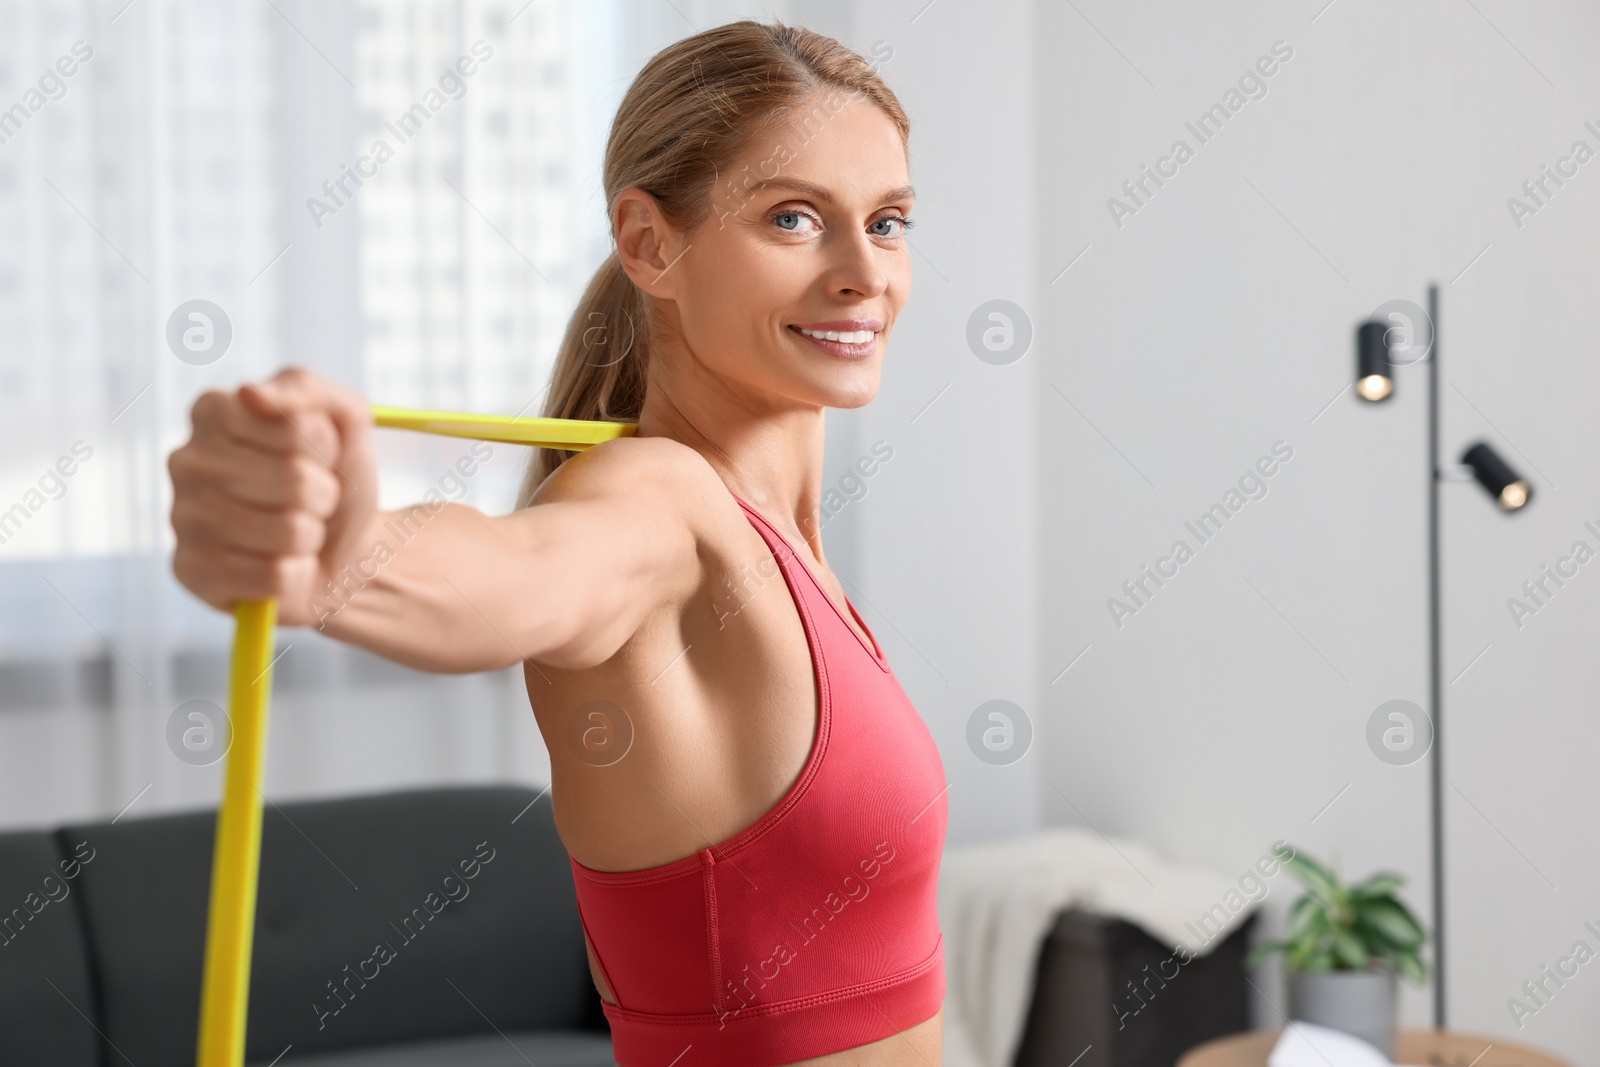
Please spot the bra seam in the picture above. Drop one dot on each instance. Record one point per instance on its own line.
(713, 940)
(876, 985)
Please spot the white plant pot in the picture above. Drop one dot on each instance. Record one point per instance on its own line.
(1362, 1003)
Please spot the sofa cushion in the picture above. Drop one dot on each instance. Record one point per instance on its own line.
(549, 1048)
(1105, 984)
(380, 919)
(44, 966)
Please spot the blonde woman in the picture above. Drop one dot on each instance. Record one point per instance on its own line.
(754, 810)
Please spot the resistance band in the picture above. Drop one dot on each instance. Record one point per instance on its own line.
(236, 859)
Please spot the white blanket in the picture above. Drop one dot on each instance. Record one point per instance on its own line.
(998, 900)
(1303, 1044)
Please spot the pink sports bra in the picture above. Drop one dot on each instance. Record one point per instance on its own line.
(816, 928)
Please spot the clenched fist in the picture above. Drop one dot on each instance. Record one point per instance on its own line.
(273, 492)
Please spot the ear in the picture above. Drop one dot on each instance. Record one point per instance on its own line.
(647, 244)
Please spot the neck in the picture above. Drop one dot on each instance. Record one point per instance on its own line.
(766, 449)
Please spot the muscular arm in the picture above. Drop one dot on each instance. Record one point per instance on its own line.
(566, 581)
(275, 496)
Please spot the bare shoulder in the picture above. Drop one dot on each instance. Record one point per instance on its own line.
(643, 504)
(660, 479)
(633, 530)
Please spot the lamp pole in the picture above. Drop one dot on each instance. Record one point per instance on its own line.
(1436, 695)
(1375, 384)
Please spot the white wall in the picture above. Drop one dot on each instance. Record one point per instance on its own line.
(1218, 320)
(949, 538)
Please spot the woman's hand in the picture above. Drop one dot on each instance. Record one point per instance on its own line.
(274, 491)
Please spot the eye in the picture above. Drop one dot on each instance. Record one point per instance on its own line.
(795, 221)
(899, 220)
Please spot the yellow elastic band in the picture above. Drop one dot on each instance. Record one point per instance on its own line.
(236, 860)
(570, 434)
(225, 984)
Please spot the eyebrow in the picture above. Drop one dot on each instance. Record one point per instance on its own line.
(817, 192)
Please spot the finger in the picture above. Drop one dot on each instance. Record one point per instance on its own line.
(223, 578)
(293, 389)
(351, 417)
(348, 409)
(247, 416)
(287, 420)
(217, 413)
(224, 468)
(221, 521)
(334, 420)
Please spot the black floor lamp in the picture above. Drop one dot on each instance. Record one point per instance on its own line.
(1374, 383)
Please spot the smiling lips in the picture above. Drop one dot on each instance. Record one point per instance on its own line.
(844, 338)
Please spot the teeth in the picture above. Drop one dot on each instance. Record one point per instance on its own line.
(849, 337)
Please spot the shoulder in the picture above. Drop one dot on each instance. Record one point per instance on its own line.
(644, 524)
(657, 479)
(636, 466)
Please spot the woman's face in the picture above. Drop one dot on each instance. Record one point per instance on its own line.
(806, 237)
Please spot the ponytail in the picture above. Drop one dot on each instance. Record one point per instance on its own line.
(601, 366)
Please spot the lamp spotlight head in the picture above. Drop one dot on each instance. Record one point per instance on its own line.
(1374, 380)
(1509, 489)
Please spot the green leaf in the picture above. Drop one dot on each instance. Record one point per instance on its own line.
(1308, 922)
(1299, 955)
(1378, 943)
(1404, 960)
(1411, 967)
(1384, 951)
(1391, 919)
(1382, 884)
(1263, 950)
(1350, 951)
(1319, 962)
(1316, 878)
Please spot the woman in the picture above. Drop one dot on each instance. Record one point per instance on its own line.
(754, 810)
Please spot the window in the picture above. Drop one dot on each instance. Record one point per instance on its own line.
(226, 154)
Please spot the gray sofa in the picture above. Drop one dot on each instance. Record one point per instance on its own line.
(426, 927)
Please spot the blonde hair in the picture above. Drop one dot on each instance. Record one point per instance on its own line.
(689, 114)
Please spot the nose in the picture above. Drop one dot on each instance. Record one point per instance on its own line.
(859, 268)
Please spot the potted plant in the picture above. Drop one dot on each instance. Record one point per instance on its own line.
(1345, 947)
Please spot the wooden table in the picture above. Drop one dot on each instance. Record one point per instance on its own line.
(1433, 1048)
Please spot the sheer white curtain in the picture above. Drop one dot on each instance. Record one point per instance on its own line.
(167, 152)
